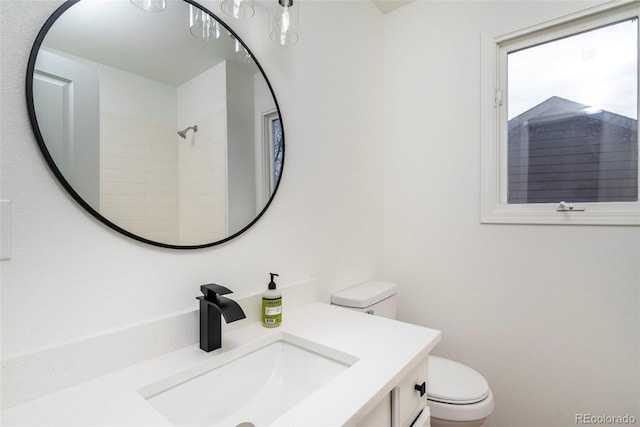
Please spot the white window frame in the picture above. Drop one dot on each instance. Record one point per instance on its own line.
(265, 159)
(493, 180)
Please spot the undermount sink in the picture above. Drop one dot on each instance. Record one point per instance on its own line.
(251, 386)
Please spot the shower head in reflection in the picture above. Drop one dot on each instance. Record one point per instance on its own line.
(183, 133)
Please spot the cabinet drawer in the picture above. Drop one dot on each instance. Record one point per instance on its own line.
(424, 419)
(410, 396)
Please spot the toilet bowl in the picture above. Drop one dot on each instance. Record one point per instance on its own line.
(458, 396)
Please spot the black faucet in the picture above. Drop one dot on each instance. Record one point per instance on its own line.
(212, 305)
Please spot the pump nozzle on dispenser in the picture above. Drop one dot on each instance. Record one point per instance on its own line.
(272, 283)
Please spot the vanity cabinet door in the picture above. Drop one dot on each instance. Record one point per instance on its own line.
(380, 416)
(410, 396)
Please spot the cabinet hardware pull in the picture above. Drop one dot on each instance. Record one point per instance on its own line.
(422, 388)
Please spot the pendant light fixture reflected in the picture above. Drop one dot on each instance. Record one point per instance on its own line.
(238, 9)
(284, 21)
(202, 25)
(240, 52)
(150, 5)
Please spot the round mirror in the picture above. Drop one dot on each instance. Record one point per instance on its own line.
(158, 120)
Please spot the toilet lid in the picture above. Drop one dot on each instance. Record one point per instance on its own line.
(453, 382)
(365, 294)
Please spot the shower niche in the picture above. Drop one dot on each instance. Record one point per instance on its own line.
(166, 138)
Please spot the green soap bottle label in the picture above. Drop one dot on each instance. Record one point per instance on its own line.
(272, 312)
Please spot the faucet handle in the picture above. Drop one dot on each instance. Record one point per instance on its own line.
(211, 291)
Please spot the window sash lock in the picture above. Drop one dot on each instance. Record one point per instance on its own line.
(566, 207)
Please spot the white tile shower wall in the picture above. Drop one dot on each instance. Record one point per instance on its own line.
(139, 176)
(202, 181)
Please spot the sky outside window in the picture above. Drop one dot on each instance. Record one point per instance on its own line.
(597, 68)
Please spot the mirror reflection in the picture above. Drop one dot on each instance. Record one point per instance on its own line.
(161, 124)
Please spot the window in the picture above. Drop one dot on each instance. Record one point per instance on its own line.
(276, 148)
(270, 155)
(560, 126)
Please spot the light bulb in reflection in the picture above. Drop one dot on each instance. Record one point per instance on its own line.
(150, 5)
(202, 25)
(240, 52)
(238, 9)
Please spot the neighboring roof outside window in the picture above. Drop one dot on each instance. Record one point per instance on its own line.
(563, 150)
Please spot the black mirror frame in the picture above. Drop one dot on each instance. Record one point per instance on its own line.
(67, 186)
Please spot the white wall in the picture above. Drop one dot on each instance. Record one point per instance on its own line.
(241, 178)
(139, 154)
(70, 276)
(133, 95)
(204, 94)
(138, 162)
(551, 341)
(550, 315)
(203, 157)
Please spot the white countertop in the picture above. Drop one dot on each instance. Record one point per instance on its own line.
(386, 350)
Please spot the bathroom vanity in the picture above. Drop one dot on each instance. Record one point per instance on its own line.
(381, 379)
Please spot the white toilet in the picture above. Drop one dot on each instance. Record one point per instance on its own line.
(458, 395)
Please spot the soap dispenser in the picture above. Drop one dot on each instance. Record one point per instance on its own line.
(271, 305)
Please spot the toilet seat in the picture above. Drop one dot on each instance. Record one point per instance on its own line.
(455, 383)
(462, 413)
(456, 392)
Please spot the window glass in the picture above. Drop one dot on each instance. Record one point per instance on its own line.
(277, 149)
(572, 118)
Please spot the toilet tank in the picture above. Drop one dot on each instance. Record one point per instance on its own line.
(373, 297)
